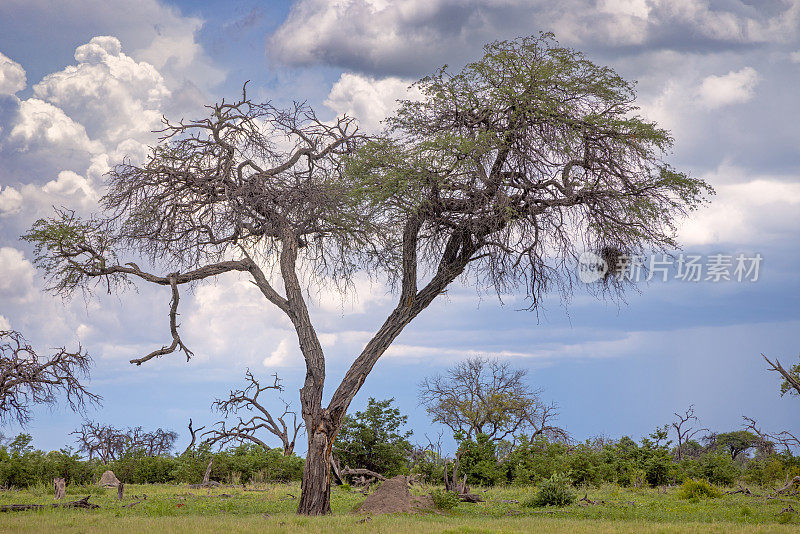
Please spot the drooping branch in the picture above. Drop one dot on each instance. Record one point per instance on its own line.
(285, 426)
(25, 380)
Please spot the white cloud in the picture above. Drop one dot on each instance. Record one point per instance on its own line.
(10, 201)
(280, 356)
(69, 183)
(16, 275)
(112, 95)
(42, 125)
(368, 99)
(4, 324)
(153, 30)
(12, 76)
(736, 87)
(752, 212)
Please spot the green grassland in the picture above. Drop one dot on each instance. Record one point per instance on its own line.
(178, 508)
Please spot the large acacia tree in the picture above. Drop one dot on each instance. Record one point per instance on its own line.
(500, 176)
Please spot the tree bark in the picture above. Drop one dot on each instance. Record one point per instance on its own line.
(315, 496)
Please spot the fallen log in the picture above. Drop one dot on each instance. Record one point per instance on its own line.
(80, 503)
(470, 497)
(789, 484)
(363, 472)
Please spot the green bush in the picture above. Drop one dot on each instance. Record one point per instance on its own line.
(697, 489)
(658, 469)
(555, 491)
(719, 469)
(444, 500)
(478, 460)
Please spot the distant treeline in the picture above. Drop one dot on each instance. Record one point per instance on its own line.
(21, 466)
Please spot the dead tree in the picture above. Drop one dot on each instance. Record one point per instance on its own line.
(285, 426)
(502, 175)
(785, 439)
(80, 503)
(791, 379)
(193, 432)
(684, 431)
(60, 486)
(110, 443)
(26, 380)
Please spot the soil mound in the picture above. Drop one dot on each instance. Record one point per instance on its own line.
(391, 497)
(109, 479)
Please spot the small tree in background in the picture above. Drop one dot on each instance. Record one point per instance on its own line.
(373, 439)
(480, 396)
(257, 417)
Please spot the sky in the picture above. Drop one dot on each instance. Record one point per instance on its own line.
(84, 83)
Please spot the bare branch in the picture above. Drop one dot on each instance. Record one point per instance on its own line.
(25, 380)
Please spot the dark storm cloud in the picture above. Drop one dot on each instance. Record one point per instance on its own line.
(409, 38)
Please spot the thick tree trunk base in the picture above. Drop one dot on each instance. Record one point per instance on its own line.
(315, 498)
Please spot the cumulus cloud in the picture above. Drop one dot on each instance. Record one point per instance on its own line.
(368, 99)
(16, 282)
(12, 76)
(4, 323)
(154, 31)
(10, 201)
(736, 87)
(41, 125)
(113, 96)
(410, 37)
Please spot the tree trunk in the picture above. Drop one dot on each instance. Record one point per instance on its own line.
(315, 497)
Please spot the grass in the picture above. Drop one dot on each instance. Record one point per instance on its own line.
(181, 509)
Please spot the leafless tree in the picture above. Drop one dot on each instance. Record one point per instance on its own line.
(26, 379)
(109, 443)
(785, 439)
(502, 174)
(484, 396)
(285, 426)
(684, 430)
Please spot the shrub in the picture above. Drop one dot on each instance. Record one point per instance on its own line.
(444, 500)
(719, 469)
(555, 491)
(657, 471)
(696, 489)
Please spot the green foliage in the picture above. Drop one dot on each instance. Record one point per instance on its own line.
(658, 469)
(555, 491)
(444, 500)
(737, 442)
(478, 460)
(718, 469)
(372, 439)
(21, 466)
(696, 489)
(786, 386)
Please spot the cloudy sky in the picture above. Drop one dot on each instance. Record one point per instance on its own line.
(83, 83)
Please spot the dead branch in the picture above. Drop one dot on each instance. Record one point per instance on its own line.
(791, 380)
(285, 426)
(26, 381)
(80, 503)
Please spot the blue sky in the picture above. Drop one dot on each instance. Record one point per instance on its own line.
(82, 84)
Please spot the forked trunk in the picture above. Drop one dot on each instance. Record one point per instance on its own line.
(315, 497)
